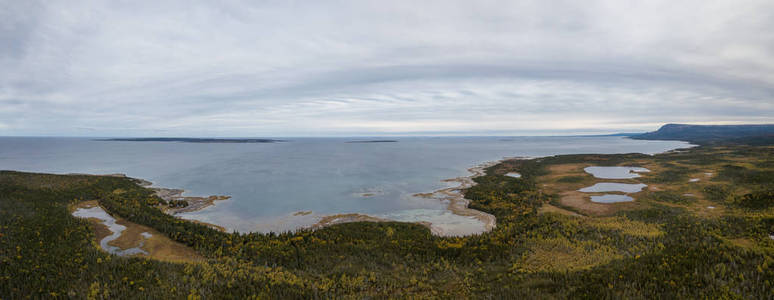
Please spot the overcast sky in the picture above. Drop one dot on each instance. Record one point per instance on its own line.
(320, 68)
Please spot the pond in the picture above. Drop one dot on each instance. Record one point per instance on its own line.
(115, 228)
(513, 174)
(611, 198)
(615, 172)
(614, 187)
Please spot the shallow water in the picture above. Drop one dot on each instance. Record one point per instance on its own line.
(615, 172)
(116, 229)
(269, 182)
(611, 198)
(614, 187)
(459, 225)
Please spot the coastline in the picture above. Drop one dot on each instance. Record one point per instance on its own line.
(452, 216)
(457, 204)
(195, 203)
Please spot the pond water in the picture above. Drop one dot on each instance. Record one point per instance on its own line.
(615, 172)
(116, 229)
(513, 174)
(614, 187)
(611, 198)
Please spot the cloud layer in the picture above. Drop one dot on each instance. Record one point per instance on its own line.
(286, 68)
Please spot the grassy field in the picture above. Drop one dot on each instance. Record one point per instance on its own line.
(550, 240)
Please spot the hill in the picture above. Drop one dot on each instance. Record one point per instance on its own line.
(713, 134)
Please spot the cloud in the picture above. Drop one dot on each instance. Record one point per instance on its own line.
(359, 67)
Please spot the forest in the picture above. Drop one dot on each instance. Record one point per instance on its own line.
(665, 245)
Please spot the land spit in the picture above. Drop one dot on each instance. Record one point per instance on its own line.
(457, 202)
(194, 203)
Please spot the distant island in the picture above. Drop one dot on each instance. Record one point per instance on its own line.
(374, 141)
(192, 140)
(713, 134)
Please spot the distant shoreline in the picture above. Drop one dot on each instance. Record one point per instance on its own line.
(373, 141)
(191, 140)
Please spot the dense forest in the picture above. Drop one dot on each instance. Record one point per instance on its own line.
(660, 248)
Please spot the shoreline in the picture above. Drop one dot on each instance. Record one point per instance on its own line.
(457, 204)
(195, 203)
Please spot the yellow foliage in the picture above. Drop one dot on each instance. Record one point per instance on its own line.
(456, 244)
(626, 226)
(560, 254)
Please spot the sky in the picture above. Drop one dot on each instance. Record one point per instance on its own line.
(380, 68)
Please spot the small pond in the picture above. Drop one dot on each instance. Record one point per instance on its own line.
(614, 187)
(116, 229)
(611, 198)
(513, 174)
(615, 172)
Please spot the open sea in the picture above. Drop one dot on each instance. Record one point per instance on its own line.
(271, 182)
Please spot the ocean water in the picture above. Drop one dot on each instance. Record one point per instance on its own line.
(270, 182)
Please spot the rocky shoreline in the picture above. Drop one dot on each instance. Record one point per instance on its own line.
(192, 203)
(457, 204)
